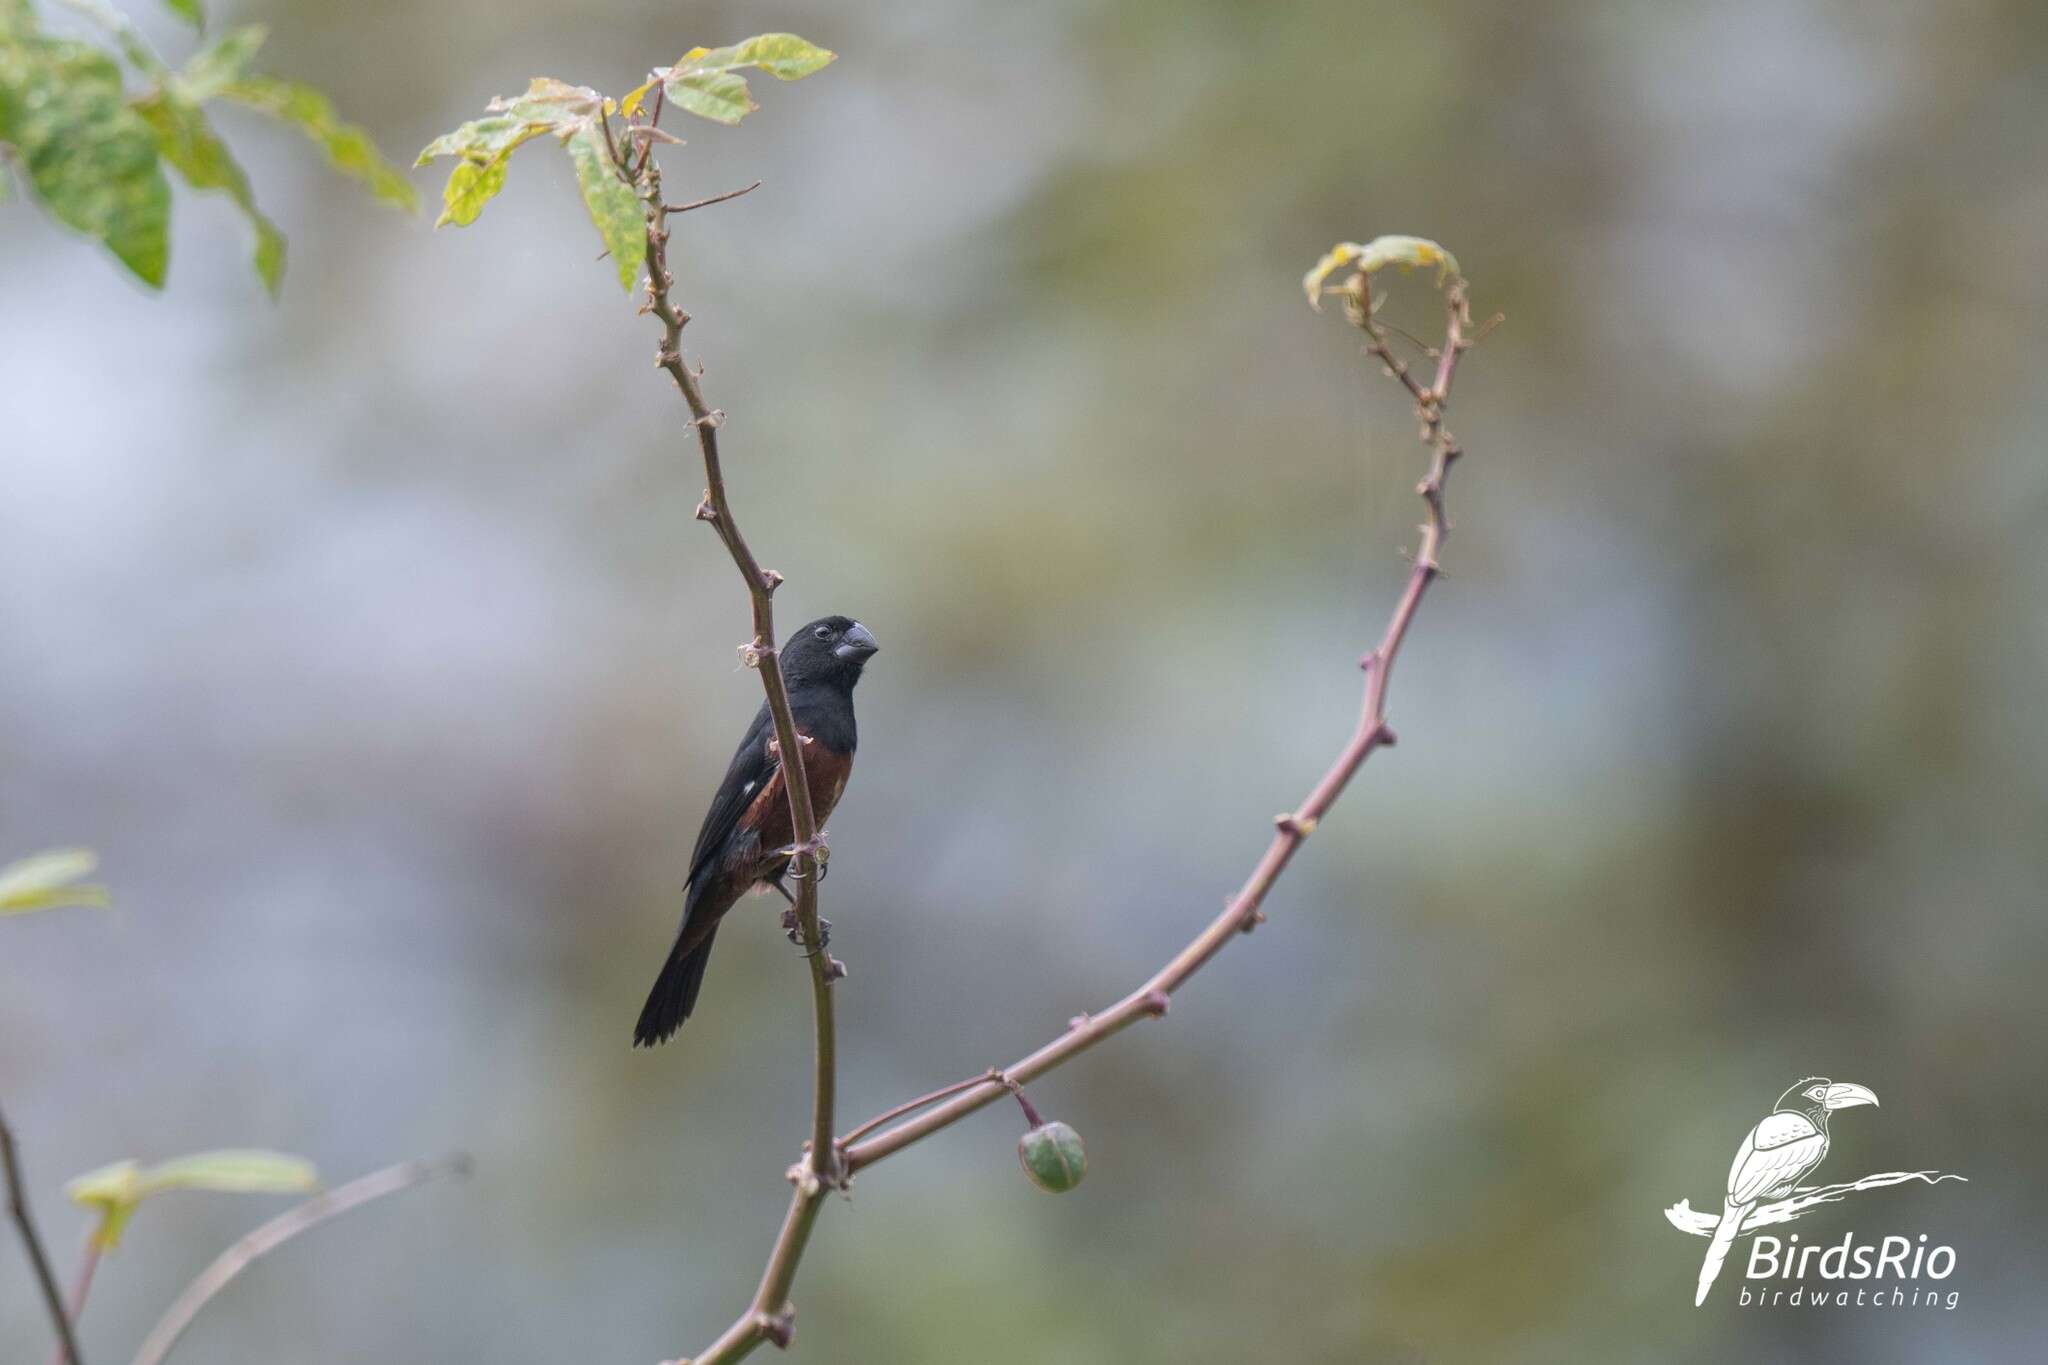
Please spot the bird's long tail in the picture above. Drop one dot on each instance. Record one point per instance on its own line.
(674, 994)
(1717, 1250)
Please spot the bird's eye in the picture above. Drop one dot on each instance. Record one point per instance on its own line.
(823, 632)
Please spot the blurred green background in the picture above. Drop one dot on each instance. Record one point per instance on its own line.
(369, 638)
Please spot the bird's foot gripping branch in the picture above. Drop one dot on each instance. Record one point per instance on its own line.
(612, 146)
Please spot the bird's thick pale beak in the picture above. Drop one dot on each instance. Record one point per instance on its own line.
(858, 643)
(1844, 1095)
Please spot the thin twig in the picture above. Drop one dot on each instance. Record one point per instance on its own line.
(32, 1242)
(769, 1316)
(274, 1234)
(654, 121)
(929, 1097)
(714, 199)
(1242, 912)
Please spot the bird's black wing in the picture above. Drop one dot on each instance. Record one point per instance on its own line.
(752, 765)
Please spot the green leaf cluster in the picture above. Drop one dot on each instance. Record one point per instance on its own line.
(115, 1192)
(706, 82)
(93, 150)
(574, 115)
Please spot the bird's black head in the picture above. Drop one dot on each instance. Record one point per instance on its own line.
(1817, 1095)
(831, 651)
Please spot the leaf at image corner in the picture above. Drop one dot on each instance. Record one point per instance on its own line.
(189, 11)
(90, 159)
(50, 880)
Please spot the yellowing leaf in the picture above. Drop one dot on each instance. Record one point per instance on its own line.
(116, 1191)
(721, 96)
(613, 206)
(471, 185)
(233, 1170)
(782, 55)
(706, 81)
(1407, 252)
(573, 114)
(548, 106)
(46, 881)
(630, 105)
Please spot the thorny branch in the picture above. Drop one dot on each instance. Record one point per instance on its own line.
(830, 1162)
(32, 1242)
(1242, 912)
(768, 1317)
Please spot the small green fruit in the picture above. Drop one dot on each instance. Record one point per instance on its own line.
(1053, 1157)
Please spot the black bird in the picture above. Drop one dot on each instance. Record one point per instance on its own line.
(747, 833)
(1778, 1152)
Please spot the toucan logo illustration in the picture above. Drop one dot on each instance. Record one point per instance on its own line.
(1774, 1157)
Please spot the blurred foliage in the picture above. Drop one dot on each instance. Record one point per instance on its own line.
(91, 147)
(115, 1192)
(1410, 253)
(47, 881)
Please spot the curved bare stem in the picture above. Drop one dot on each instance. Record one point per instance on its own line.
(276, 1233)
(1242, 912)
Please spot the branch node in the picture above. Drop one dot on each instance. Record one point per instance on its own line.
(1081, 1020)
(705, 511)
(1251, 918)
(1030, 1111)
(753, 653)
(713, 419)
(777, 1328)
(1300, 826)
(770, 580)
(1384, 736)
(1157, 1002)
(835, 970)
